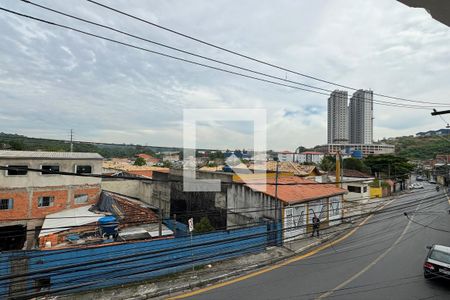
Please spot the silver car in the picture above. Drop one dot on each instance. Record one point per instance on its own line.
(437, 262)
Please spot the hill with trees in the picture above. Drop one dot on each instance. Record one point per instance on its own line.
(420, 148)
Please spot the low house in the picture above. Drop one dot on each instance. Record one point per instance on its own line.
(292, 202)
(356, 183)
(129, 219)
(288, 167)
(309, 157)
(149, 159)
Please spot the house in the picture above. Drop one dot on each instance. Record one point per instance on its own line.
(131, 219)
(309, 157)
(292, 202)
(289, 167)
(149, 159)
(27, 197)
(170, 156)
(356, 183)
(286, 156)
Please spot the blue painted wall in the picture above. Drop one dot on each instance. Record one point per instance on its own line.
(89, 268)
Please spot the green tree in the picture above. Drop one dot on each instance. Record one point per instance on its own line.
(389, 165)
(328, 163)
(352, 163)
(203, 226)
(140, 162)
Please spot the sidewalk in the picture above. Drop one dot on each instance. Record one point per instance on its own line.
(221, 271)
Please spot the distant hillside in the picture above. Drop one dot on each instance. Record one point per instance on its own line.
(420, 148)
(20, 142)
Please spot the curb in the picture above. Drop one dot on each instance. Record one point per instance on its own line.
(223, 277)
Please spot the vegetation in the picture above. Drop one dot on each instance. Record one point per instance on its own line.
(389, 165)
(20, 142)
(203, 226)
(420, 148)
(140, 162)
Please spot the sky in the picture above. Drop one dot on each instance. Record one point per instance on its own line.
(53, 80)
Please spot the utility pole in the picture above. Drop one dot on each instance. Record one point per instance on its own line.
(71, 140)
(338, 169)
(276, 201)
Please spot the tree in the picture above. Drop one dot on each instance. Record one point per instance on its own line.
(140, 162)
(389, 165)
(352, 163)
(203, 226)
(328, 163)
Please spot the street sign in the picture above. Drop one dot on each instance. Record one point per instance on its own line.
(191, 224)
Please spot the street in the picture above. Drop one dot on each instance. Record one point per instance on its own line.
(382, 260)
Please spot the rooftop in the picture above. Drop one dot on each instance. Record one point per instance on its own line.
(7, 154)
(289, 167)
(295, 189)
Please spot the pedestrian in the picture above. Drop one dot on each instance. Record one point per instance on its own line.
(316, 225)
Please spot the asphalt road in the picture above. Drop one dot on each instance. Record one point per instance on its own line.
(381, 260)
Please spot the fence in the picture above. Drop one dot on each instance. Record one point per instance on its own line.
(23, 273)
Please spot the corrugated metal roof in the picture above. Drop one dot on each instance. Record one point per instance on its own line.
(48, 155)
(68, 218)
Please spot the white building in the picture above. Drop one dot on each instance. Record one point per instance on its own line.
(338, 127)
(361, 117)
(286, 156)
(309, 157)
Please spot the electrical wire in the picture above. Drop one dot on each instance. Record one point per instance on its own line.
(191, 53)
(249, 57)
(379, 102)
(66, 267)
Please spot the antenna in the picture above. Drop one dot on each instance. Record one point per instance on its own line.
(71, 140)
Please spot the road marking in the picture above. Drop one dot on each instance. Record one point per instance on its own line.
(374, 262)
(276, 266)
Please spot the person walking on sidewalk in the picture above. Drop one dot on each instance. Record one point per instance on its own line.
(316, 225)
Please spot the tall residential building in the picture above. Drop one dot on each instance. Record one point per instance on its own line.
(338, 129)
(361, 117)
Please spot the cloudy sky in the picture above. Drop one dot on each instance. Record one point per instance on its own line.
(52, 79)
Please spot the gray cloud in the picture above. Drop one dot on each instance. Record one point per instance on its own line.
(52, 80)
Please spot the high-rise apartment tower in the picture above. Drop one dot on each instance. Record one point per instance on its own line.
(361, 117)
(338, 129)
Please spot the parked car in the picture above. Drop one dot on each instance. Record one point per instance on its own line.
(416, 185)
(437, 262)
(419, 178)
(432, 181)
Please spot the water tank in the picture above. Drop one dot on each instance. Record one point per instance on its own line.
(357, 154)
(108, 226)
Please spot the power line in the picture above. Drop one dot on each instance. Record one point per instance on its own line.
(247, 56)
(193, 54)
(379, 102)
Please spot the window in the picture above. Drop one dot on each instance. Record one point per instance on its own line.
(365, 189)
(46, 201)
(80, 199)
(6, 204)
(17, 170)
(83, 169)
(354, 189)
(49, 169)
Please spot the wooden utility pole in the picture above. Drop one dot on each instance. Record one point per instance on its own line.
(338, 169)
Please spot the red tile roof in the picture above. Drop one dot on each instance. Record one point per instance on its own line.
(295, 189)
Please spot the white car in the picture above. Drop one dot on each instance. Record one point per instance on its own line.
(416, 185)
(437, 262)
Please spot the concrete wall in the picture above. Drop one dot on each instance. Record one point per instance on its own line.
(247, 206)
(36, 179)
(122, 186)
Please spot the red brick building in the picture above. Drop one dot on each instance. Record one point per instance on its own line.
(26, 196)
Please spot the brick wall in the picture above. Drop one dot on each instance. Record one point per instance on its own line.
(20, 205)
(59, 202)
(93, 194)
